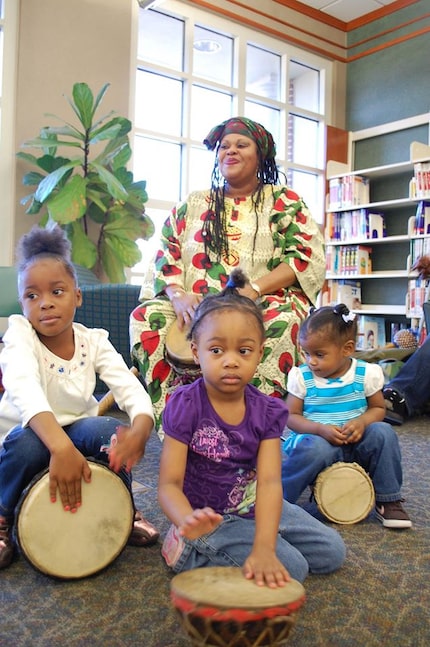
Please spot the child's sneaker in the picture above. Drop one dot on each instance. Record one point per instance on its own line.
(392, 514)
(173, 546)
(395, 404)
(6, 543)
(143, 532)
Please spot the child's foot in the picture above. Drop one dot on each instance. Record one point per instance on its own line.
(6, 543)
(396, 406)
(392, 515)
(143, 533)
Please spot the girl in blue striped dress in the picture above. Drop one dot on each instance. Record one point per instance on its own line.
(336, 412)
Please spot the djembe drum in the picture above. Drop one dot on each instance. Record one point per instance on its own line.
(179, 356)
(218, 607)
(70, 546)
(344, 493)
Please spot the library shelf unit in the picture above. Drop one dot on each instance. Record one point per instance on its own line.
(385, 287)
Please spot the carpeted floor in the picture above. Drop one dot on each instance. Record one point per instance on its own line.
(381, 597)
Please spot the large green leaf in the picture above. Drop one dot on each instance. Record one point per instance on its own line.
(83, 104)
(107, 131)
(84, 251)
(69, 203)
(32, 179)
(113, 185)
(125, 227)
(69, 131)
(100, 96)
(116, 253)
(47, 185)
(39, 142)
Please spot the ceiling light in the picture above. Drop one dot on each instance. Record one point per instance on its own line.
(207, 46)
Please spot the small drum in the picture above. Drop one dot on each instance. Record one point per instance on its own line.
(219, 607)
(179, 355)
(344, 493)
(74, 545)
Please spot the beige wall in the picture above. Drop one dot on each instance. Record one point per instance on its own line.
(62, 42)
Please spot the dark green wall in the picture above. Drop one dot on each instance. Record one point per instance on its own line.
(393, 83)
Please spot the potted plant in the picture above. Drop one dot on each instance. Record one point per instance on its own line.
(90, 193)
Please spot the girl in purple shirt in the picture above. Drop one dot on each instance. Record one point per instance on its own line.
(220, 474)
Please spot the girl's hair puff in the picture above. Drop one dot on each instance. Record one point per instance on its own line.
(228, 299)
(337, 323)
(41, 243)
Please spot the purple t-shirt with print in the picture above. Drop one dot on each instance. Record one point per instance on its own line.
(221, 462)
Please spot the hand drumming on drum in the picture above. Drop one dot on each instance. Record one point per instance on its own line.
(184, 304)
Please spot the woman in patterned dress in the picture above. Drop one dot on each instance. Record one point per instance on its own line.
(247, 219)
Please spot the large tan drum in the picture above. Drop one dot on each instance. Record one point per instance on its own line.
(179, 355)
(74, 545)
(219, 607)
(344, 493)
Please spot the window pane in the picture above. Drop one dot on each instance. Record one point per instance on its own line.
(267, 117)
(303, 145)
(154, 114)
(201, 165)
(160, 39)
(208, 108)
(159, 163)
(263, 72)
(306, 185)
(213, 56)
(304, 89)
(149, 247)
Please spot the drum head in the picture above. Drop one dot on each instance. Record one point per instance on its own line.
(226, 587)
(74, 545)
(344, 493)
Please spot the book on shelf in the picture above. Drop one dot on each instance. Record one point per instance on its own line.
(418, 293)
(422, 179)
(345, 291)
(371, 332)
(360, 224)
(348, 191)
(421, 225)
(349, 260)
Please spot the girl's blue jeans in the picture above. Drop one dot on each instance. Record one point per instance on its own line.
(378, 452)
(304, 544)
(23, 455)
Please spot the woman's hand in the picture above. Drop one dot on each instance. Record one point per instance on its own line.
(67, 468)
(264, 567)
(184, 305)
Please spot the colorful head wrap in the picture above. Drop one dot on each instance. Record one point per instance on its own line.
(243, 126)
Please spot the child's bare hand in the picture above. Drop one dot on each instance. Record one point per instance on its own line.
(67, 468)
(126, 449)
(334, 435)
(265, 568)
(352, 431)
(199, 522)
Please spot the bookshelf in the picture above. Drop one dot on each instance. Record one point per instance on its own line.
(388, 286)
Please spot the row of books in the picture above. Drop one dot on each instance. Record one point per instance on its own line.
(418, 293)
(357, 224)
(419, 247)
(348, 191)
(348, 260)
(421, 224)
(422, 179)
(345, 291)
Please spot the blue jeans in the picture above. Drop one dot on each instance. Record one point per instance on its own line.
(413, 379)
(23, 456)
(304, 544)
(378, 452)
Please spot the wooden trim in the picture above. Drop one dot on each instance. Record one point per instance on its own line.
(389, 31)
(378, 13)
(316, 14)
(391, 43)
(282, 35)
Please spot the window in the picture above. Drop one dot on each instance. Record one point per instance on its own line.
(193, 71)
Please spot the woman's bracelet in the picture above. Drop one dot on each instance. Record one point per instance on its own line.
(256, 288)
